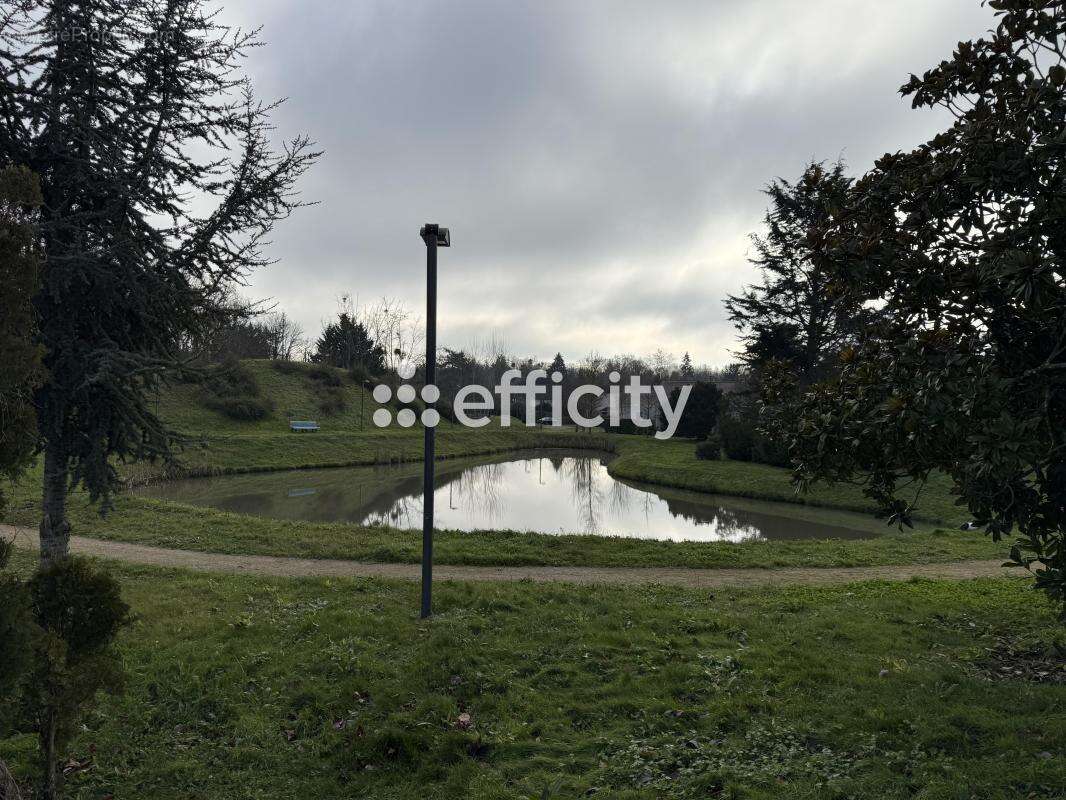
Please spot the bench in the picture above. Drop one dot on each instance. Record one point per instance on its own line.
(303, 426)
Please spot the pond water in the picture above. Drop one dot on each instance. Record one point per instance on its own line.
(549, 491)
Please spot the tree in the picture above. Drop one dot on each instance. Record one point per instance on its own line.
(285, 337)
(790, 314)
(20, 359)
(686, 366)
(346, 344)
(558, 365)
(963, 243)
(159, 186)
(700, 416)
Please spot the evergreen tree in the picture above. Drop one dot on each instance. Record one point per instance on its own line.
(791, 313)
(686, 366)
(346, 344)
(20, 357)
(159, 185)
(558, 365)
(700, 416)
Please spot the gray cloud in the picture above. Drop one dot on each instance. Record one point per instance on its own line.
(599, 163)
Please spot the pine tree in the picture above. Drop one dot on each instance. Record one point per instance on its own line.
(558, 365)
(686, 366)
(346, 344)
(790, 315)
(20, 357)
(159, 186)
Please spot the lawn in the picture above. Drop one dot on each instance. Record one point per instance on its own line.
(253, 688)
(219, 445)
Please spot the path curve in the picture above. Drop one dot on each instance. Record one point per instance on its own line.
(679, 576)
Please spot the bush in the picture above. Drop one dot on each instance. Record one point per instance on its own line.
(710, 449)
(79, 611)
(244, 409)
(232, 379)
(16, 626)
(56, 653)
(287, 367)
(738, 437)
(770, 452)
(325, 376)
(361, 375)
(701, 411)
(331, 400)
(232, 390)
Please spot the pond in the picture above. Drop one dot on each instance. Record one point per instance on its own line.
(549, 491)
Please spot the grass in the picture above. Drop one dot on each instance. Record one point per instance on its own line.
(252, 688)
(221, 445)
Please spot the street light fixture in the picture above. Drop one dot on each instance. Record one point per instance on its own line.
(434, 236)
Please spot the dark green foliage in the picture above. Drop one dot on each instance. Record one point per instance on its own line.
(20, 356)
(701, 411)
(78, 611)
(245, 409)
(791, 315)
(56, 654)
(324, 376)
(346, 343)
(743, 440)
(738, 437)
(962, 242)
(686, 366)
(710, 449)
(16, 626)
(232, 379)
(331, 399)
(287, 367)
(79, 604)
(361, 376)
(160, 186)
(232, 389)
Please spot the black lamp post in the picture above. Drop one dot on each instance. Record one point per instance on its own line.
(434, 236)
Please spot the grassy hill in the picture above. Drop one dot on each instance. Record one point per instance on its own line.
(289, 390)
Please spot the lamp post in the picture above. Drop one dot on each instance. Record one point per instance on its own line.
(434, 236)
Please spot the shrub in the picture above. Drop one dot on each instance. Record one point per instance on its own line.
(701, 411)
(232, 379)
(325, 376)
(287, 367)
(244, 409)
(56, 654)
(16, 626)
(738, 437)
(710, 449)
(79, 611)
(361, 375)
(331, 400)
(767, 451)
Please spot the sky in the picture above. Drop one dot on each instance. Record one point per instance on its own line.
(599, 164)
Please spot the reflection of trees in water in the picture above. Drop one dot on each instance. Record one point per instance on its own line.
(729, 525)
(586, 493)
(475, 488)
(575, 492)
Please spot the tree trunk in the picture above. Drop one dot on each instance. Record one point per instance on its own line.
(55, 529)
(50, 783)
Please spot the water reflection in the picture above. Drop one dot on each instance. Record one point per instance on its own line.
(547, 492)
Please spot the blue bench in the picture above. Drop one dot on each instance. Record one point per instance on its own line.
(303, 426)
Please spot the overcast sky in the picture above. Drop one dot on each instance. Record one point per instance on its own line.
(599, 163)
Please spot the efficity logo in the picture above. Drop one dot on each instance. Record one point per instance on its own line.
(644, 406)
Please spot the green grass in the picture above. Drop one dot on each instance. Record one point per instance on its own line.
(250, 688)
(226, 446)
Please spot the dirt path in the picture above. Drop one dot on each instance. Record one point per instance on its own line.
(681, 576)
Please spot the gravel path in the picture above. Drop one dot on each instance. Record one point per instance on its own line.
(680, 576)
